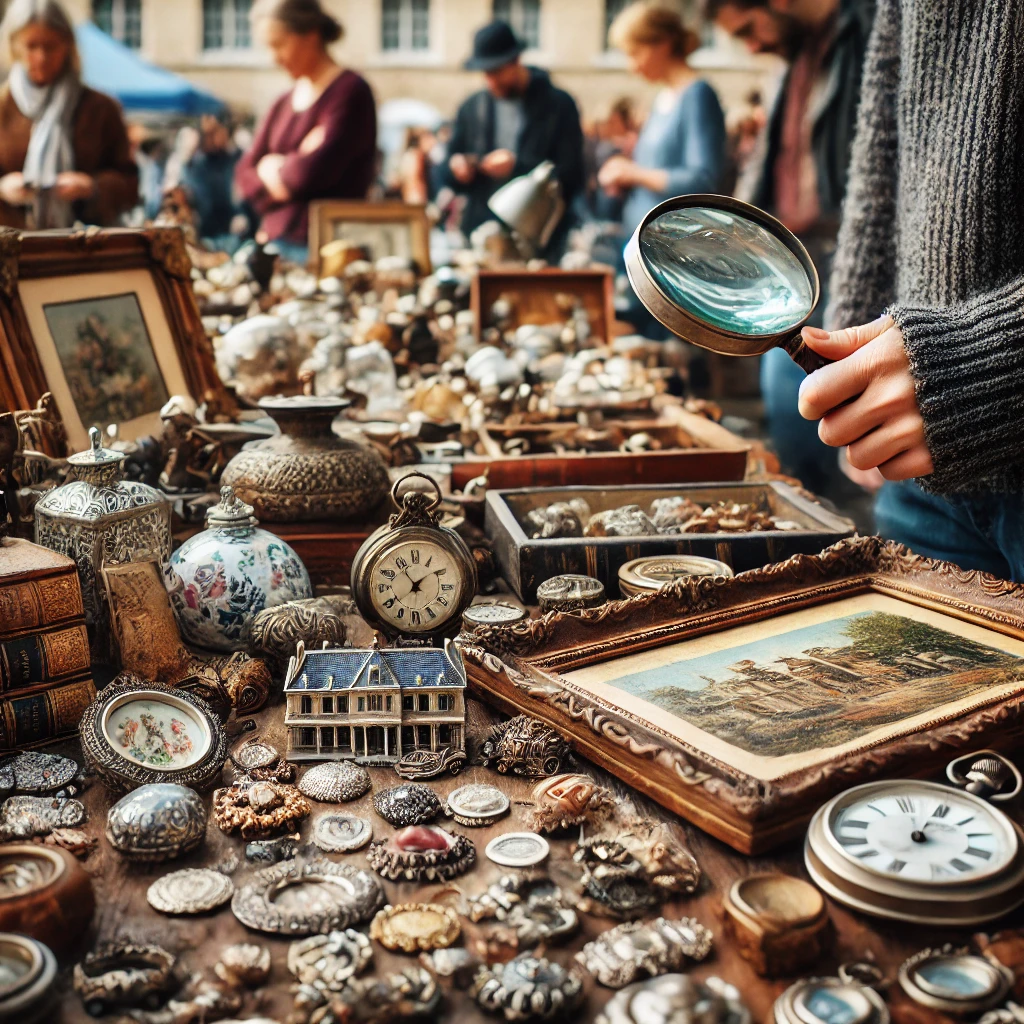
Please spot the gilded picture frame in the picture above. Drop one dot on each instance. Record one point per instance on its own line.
(743, 704)
(106, 321)
(388, 228)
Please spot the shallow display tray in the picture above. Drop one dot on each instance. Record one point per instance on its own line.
(526, 563)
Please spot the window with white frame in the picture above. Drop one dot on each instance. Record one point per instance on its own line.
(612, 9)
(523, 16)
(444, 702)
(226, 24)
(405, 25)
(121, 19)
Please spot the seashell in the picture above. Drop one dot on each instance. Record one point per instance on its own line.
(244, 965)
(621, 955)
(330, 961)
(422, 853)
(408, 804)
(341, 833)
(157, 822)
(335, 782)
(190, 891)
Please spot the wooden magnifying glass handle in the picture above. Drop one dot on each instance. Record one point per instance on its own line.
(806, 358)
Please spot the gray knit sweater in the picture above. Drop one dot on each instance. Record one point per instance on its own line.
(933, 226)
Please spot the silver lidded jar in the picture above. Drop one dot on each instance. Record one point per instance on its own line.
(222, 578)
(97, 517)
(307, 472)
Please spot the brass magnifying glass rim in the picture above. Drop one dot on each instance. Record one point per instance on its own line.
(691, 328)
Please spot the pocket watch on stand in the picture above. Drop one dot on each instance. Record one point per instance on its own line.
(924, 852)
(414, 577)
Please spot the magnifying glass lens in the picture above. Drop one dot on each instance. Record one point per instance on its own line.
(726, 270)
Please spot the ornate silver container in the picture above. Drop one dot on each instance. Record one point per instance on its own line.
(98, 517)
(157, 822)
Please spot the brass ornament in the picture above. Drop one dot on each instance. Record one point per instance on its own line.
(414, 927)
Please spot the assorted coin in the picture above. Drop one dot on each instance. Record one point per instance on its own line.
(341, 833)
(190, 891)
(518, 849)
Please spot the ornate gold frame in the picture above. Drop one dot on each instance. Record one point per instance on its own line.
(517, 666)
(324, 213)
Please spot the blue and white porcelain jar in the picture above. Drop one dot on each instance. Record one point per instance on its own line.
(223, 578)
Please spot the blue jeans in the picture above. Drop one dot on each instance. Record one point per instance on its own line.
(974, 533)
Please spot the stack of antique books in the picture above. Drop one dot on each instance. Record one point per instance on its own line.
(45, 676)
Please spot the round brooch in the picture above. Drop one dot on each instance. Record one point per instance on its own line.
(422, 853)
(477, 805)
(408, 804)
(335, 782)
(191, 891)
(341, 833)
(257, 761)
(260, 810)
(317, 895)
(412, 927)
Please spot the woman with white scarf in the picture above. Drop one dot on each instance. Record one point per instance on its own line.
(64, 151)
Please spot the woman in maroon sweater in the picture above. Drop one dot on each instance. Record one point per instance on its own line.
(319, 140)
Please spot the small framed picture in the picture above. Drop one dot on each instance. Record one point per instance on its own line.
(376, 229)
(103, 320)
(743, 704)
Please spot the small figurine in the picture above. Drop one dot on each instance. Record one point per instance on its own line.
(524, 746)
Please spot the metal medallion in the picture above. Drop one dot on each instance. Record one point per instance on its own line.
(518, 849)
(341, 833)
(190, 891)
(477, 804)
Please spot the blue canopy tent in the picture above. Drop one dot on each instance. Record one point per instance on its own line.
(113, 68)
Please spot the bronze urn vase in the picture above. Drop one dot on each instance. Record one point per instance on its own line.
(307, 472)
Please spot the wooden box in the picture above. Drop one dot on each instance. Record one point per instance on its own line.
(535, 292)
(526, 563)
(694, 449)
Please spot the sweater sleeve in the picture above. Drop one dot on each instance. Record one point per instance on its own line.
(117, 181)
(864, 270)
(702, 156)
(968, 362)
(250, 186)
(350, 128)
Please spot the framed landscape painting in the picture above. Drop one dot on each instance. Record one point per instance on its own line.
(743, 704)
(106, 321)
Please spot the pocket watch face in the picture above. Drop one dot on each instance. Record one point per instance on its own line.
(921, 832)
(416, 586)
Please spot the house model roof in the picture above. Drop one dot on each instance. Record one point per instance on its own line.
(347, 668)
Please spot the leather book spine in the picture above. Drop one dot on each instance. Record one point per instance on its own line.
(28, 721)
(43, 657)
(35, 604)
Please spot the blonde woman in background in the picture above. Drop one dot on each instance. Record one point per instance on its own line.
(64, 150)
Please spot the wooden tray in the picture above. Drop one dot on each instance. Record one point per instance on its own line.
(535, 292)
(704, 451)
(526, 563)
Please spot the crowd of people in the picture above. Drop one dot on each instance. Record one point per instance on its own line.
(892, 150)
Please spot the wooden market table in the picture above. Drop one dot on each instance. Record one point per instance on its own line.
(123, 914)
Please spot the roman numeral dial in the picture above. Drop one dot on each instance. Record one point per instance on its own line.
(416, 586)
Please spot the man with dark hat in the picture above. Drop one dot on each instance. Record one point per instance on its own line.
(517, 122)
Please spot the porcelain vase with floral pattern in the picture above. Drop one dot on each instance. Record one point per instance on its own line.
(221, 579)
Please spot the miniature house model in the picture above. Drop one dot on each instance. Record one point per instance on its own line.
(376, 704)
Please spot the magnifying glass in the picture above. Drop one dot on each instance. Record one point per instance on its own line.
(725, 276)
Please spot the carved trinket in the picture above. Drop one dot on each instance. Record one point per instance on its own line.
(565, 801)
(422, 853)
(663, 850)
(157, 822)
(341, 833)
(779, 923)
(614, 881)
(629, 951)
(28, 972)
(406, 994)
(570, 593)
(22, 817)
(517, 849)
(428, 764)
(258, 761)
(476, 805)
(626, 521)
(33, 773)
(412, 927)
(528, 988)
(524, 746)
(534, 908)
(408, 804)
(330, 961)
(335, 782)
(124, 975)
(674, 999)
(276, 631)
(259, 810)
(243, 965)
(272, 851)
(305, 897)
(652, 572)
(559, 519)
(190, 891)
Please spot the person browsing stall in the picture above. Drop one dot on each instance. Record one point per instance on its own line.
(927, 291)
(64, 149)
(319, 140)
(506, 130)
